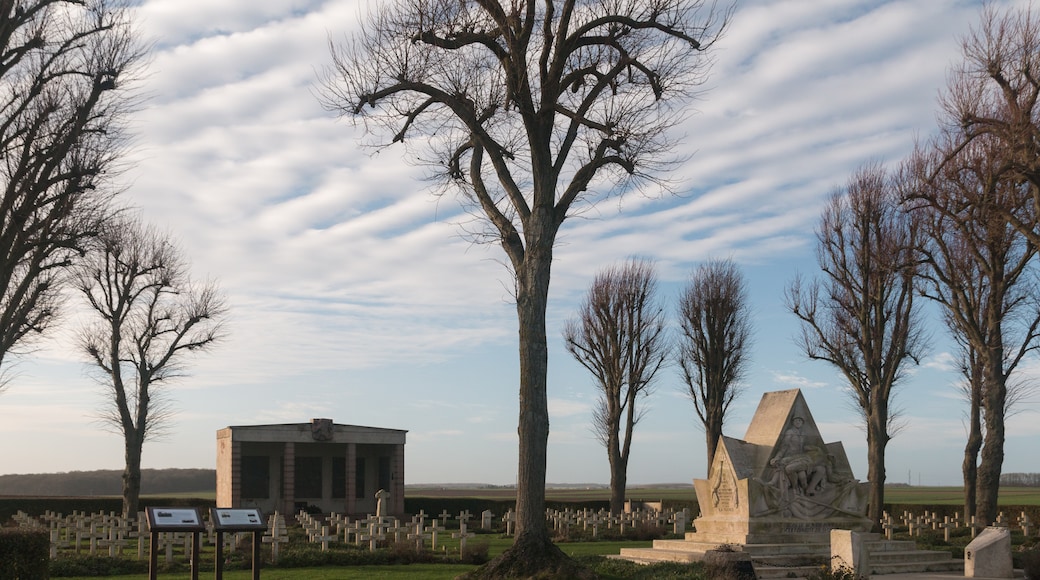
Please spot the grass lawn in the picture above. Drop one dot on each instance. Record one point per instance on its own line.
(496, 545)
(416, 571)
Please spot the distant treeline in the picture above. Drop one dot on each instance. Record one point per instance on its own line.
(108, 482)
(1020, 479)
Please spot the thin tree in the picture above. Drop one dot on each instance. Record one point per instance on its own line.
(861, 317)
(62, 69)
(715, 337)
(148, 317)
(619, 337)
(980, 271)
(528, 109)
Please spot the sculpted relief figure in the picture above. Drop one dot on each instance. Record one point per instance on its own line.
(803, 481)
(803, 466)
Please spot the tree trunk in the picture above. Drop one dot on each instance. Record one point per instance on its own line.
(712, 435)
(618, 482)
(994, 399)
(618, 471)
(132, 474)
(533, 553)
(877, 441)
(533, 430)
(969, 467)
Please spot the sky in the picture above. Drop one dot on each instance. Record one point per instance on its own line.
(355, 296)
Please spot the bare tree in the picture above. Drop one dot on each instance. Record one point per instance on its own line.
(861, 317)
(528, 108)
(147, 318)
(995, 95)
(715, 323)
(619, 337)
(62, 68)
(980, 271)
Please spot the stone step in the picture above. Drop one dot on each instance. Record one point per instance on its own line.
(801, 560)
(893, 557)
(785, 572)
(753, 549)
(919, 567)
(655, 555)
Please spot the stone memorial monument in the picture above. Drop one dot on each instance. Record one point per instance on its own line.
(777, 494)
(781, 483)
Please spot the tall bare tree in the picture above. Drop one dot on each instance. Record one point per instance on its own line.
(528, 108)
(619, 337)
(715, 324)
(148, 317)
(861, 317)
(994, 94)
(62, 68)
(980, 271)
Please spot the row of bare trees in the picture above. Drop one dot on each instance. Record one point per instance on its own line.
(957, 224)
(619, 336)
(529, 108)
(66, 72)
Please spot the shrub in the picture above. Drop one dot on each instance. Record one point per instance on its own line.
(839, 573)
(476, 553)
(100, 566)
(1029, 560)
(24, 553)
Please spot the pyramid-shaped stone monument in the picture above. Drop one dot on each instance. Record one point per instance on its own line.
(781, 483)
(775, 496)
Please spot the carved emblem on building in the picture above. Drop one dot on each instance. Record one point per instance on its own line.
(322, 429)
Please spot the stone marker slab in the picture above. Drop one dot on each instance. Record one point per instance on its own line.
(989, 555)
(849, 550)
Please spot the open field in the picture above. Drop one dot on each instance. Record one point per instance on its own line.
(896, 494)
(652, 493)
(955, 495)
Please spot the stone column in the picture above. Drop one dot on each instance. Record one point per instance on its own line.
(289, 481)
(236, 473)
(351, 477)
(397, 481)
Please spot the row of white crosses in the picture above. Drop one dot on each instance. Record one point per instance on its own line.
(916, 523)
(111, 534)
(99, 533)
(563, 520)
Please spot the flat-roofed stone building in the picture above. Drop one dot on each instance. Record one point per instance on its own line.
(336, 468)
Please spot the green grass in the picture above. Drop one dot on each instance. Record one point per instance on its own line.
(413, 571)
(955, 495)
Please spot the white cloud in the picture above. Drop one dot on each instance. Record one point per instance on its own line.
(343, 268)
(794, 380)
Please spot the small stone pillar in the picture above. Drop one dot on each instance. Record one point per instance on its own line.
(849, 550)
(989, 555)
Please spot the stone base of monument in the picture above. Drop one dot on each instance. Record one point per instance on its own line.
(777, 494)
(797, 559)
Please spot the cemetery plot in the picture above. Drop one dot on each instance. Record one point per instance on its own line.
(109, 534)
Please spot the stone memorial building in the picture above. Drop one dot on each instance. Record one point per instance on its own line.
(335, 468)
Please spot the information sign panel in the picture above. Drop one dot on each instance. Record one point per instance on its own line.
(237, 519)
(174, 519)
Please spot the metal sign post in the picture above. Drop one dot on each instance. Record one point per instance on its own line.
(179, 519)
(237, 520)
